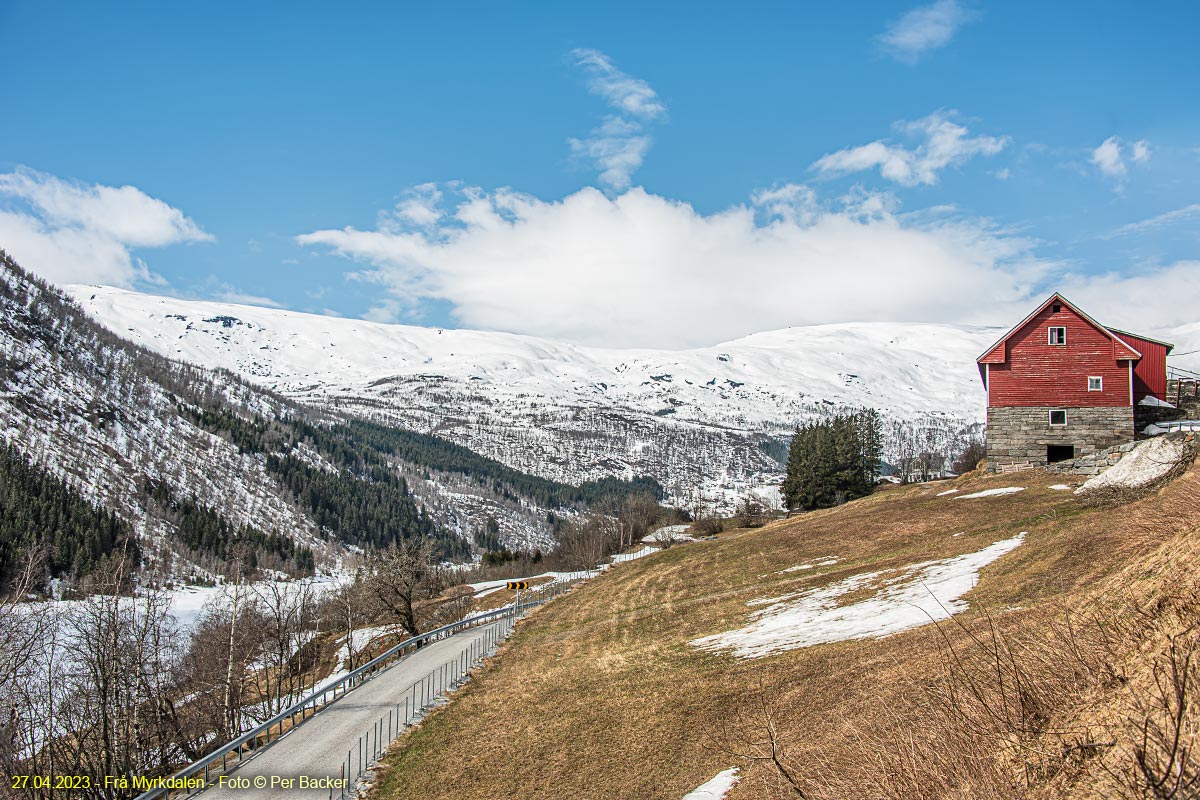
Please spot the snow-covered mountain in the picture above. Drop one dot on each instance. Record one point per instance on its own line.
(84, 408)
(193, 458)
(693, 418)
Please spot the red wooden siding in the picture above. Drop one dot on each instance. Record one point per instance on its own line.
(1035, 373)
(1150, 374)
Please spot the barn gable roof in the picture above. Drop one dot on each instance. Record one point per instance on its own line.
(1167, 345)
(995, 354)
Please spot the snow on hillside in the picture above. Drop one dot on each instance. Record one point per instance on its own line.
(923, 593)
(689, 418)
(82, 411)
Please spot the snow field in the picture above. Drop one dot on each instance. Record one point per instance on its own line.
(923, 593)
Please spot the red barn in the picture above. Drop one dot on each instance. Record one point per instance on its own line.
(1061, 385)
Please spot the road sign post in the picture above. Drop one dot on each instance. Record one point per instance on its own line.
(518, 585)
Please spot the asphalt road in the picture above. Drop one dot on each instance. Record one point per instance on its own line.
(318, 748)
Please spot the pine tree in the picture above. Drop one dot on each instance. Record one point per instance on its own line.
(834, 460)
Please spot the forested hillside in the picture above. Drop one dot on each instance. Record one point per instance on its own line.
(207, 474)
(43, 518)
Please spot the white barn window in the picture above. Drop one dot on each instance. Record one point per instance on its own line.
(1095, 383)
(1058, 417)
(1058, 335)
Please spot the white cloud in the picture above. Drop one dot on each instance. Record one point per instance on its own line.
(1167, 219)
(1148, 301)
(232, 295)
(419, 205)
(71, 232)
(616, 153)
(1110, 157)
(923, 29)
(619, 145)
(792, 202)
(1107, 157)
(643, 270)
(628, 95)
(946, 143)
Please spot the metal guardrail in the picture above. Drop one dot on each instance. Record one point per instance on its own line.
(248, 743)
(418, 697)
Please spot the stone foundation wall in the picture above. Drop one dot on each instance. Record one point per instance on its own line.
(1092, 464)
(1018, 435)
(1149, 415)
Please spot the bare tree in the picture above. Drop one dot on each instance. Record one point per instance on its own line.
(401, 576)
(288, 615)
(586, 541)
(751, 512)
(638, 514)
(118, 657)
(346, 607)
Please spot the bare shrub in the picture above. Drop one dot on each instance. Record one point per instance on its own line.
(751, 512)
(752, 729)
(1165, 728)
(665, 537)
(990, 724)
(708, 526)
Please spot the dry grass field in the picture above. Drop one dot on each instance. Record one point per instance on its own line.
(1051, 685)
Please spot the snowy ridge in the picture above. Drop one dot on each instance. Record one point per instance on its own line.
(571, 413)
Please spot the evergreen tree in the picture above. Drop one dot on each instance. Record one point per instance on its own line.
(833, 460)
(39, 511)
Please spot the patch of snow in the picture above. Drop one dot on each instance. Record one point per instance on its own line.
(824, 561)
(926, 592)
(991, 492)
(359, 639)
(948, 491)
(1145, 463)
(1153, 402)
(677, 533)
(1060, 487)
(716, 788)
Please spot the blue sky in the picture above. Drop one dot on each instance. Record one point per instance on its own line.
(632, 174)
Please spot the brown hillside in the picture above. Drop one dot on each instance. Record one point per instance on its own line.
(1040, 690)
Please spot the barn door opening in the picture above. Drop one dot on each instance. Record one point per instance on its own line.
(1059, 452)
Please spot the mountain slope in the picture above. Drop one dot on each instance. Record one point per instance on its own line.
(695, 418)
(196, 461)
(104, 417)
